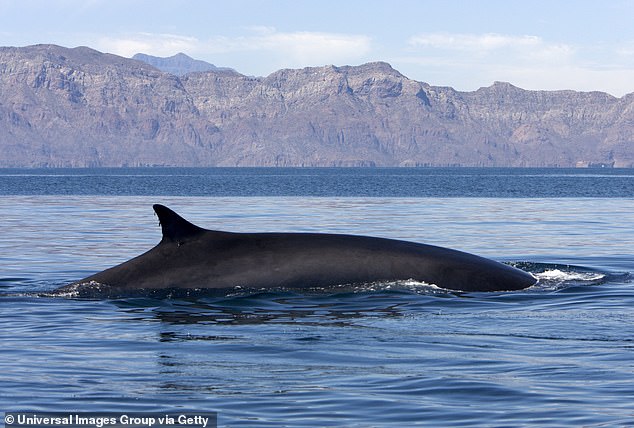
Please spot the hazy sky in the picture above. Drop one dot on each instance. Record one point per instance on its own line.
(534, 44)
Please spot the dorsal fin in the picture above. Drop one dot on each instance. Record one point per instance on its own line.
(175, 228)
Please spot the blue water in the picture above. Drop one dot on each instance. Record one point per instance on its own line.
(323, 182)
(391, 354)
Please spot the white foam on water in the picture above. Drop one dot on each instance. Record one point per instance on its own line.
(558, 275)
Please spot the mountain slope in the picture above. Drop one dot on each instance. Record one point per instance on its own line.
(80, 107)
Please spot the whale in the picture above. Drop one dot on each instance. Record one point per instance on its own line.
(189, 257)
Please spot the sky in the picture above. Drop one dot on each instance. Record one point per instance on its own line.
(584, 45)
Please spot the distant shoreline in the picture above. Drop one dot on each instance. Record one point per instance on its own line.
(317, 168)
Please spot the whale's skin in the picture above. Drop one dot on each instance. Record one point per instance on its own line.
(190, 257)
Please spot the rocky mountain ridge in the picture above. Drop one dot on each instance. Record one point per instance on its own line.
(78, 107)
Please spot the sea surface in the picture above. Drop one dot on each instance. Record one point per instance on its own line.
(394, 354)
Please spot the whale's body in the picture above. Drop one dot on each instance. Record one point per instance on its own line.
(190, 257)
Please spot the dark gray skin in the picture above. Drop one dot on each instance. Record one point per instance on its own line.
(190, 257)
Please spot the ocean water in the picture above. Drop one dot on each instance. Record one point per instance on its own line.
(386, 354)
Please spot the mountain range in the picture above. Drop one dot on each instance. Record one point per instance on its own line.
(62, 107)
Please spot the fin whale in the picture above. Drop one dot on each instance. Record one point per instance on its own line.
(190, 257)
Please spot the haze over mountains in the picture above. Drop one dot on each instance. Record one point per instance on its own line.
(79, 107)
(179, 64)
